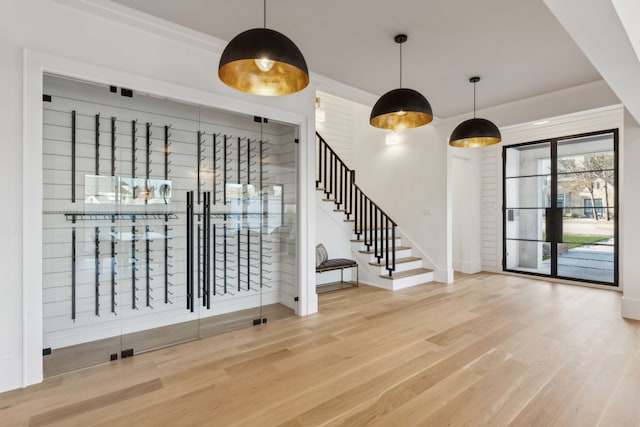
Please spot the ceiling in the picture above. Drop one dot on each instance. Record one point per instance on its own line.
(517, 47)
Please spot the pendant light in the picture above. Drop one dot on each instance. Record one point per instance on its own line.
(264, 62)
(475, 132)
(401, 108)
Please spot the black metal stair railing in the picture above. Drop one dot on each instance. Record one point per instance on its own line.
(338, 183)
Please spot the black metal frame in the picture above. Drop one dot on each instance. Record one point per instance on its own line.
(554, 210)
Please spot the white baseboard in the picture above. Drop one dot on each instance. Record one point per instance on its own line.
(467, 266)
(11, 373)
(443, 275)
(631, 308)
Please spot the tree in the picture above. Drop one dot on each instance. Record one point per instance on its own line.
(585, 172)
(602, 165)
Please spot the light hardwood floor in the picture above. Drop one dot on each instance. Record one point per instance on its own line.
(487, 350)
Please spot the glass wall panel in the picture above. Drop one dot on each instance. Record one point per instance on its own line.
(163, 222)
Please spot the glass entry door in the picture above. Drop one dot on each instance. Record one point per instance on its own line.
(560, 208)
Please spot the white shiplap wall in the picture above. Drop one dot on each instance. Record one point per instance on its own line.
(337, 129)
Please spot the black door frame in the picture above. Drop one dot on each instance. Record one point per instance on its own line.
(554, 214)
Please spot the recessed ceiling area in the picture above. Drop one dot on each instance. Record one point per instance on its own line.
(518, 47)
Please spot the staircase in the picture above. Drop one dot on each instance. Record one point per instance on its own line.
(385, 260)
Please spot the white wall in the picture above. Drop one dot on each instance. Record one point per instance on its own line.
(630, 206)
(161, 58)
(465, 212)
(338, 127)
(409, 181)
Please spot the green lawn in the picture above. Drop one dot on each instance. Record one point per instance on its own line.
(577, 241)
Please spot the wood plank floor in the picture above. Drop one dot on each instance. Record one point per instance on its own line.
(488, 350)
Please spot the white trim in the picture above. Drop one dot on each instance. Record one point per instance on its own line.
(37, 63)
(630, 308)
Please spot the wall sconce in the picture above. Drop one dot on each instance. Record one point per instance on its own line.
(320, 115)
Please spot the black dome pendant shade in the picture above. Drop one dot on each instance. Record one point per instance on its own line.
(263, 62)
(401, 108)
(475, 132)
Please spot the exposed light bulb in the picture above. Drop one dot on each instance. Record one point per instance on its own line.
(393, 138)
(264, 64)
(401, 113)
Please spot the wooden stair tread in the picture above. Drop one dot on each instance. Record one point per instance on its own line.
(398, 248)
(398, 261)
(407, 273)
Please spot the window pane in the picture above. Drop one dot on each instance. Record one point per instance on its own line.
(529, 192)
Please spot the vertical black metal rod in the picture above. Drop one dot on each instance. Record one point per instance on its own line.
(215, 257)
(248, 257)
(148, 266)
(386, 239)
(361, 215)
(224, 182)
(352, 187)
(166, 152)
(97, 270)
(238, 249)
(215, 173)
(113, 146)
(345, 194)
(133, 158)
(199, 148)
(326, 169)
(148, 163)
(330, 188)
(239, 160)
(338, 183)
(97, 146)
(190, 251)
(319, 167)
(207, 249)
(393, 248)
(73, 158)
(374, 232)
(73, 273)
(199, 258)
(370, 217)
(224, 252)
(134, 261)
(248, 163)
(166, 263)
(113, 264)
(261, 231)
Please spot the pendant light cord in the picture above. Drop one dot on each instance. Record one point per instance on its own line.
(400, 64)
(264, 14)
(474, 100)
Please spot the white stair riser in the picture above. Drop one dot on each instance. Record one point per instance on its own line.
(407, 282)
(405, 266)
(379, 234)
(399, 254)
(361, 245)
